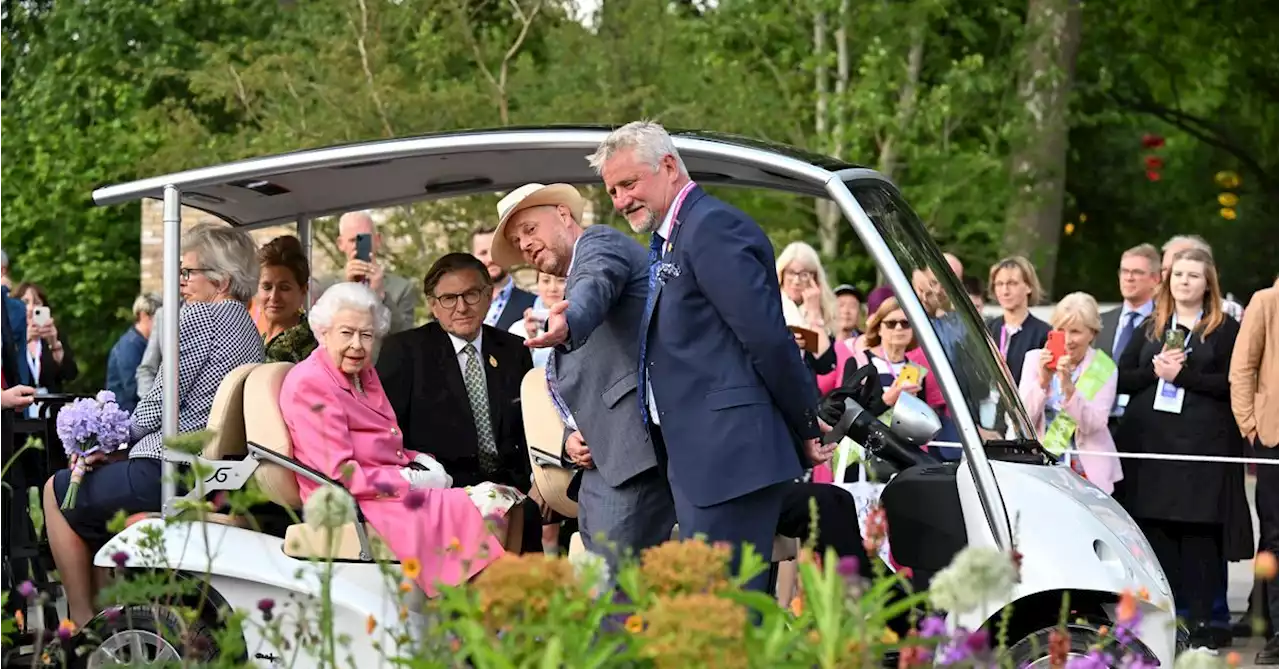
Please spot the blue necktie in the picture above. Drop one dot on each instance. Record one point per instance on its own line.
(1126, 333)
(642, 387)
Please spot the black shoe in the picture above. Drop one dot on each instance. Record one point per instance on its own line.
(1269, 656)
(1204, 636)
(1222, 635)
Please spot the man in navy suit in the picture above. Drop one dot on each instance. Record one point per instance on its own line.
(729, 401)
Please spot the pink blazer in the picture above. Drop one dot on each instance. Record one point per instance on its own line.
(354, 438)
(1091, 417)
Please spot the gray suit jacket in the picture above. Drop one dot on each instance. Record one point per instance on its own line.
(596, 368)
(401, 297)
(150, 365)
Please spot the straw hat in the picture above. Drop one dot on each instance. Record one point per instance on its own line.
(524, 197)
(544, 433)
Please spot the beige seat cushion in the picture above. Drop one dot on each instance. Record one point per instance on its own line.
(544, 432)
(265, 426)
(305, 541)
(226, 417)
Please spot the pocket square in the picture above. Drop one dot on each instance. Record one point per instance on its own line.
(668, 271)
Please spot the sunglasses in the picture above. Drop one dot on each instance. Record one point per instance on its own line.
(895, 324)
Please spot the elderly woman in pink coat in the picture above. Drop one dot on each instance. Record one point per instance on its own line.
(342, 425)
(1069, 396)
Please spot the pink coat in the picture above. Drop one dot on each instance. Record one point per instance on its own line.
(1092, 433)
(354, 438)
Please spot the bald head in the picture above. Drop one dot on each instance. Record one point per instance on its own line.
(355, 223)
(956, 266)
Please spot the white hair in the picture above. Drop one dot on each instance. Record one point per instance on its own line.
(4, 259)
(348, 295)
(1079, 308)
(146, 303)
(363, 213)
(1190, 241)
(226, 254)
(649, 140)
(807, 257)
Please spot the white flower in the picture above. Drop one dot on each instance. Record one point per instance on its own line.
(1198, 659)
(976, 575)
(328, 507)
(592, 571)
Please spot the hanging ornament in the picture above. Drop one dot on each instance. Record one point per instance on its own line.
(1153, 175)
(1228, 213)
(1151, 141)
(1069, 228)
(1228, 200)
(1227, 180)
(1083, 217)
(1154, 163)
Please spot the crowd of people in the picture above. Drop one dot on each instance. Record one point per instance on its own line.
(682, 396)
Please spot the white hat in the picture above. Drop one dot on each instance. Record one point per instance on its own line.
(524, 197)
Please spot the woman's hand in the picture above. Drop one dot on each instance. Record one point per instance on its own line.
(1065, 369)
(1169, 365)
(49, 333)
(812, 296)
(433, 465)
(33, 330)
(531, 326)
(895, 391)
(1046, 374)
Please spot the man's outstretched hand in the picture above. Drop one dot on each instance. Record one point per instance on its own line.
(818, 452)
(557, 328)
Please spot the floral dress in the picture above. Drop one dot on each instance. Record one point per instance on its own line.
(292, 345)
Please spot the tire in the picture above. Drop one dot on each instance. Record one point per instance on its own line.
(1033, 649)
(144, 636)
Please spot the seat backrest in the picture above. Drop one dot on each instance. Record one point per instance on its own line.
(265, 426)
(226, 417)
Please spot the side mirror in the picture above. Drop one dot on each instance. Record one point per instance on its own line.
(914, 421)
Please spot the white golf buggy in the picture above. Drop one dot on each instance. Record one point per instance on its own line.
(1004, 491)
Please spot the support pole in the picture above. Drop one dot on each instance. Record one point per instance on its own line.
(305, 236)
(172, 245)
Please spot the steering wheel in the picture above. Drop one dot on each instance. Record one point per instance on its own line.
(858, 403)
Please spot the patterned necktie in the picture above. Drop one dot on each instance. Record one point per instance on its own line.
(474, 379)
(642, 388)
(554, 390)
(1126, 333)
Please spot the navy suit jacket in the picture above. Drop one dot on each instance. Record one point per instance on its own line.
(734, 397)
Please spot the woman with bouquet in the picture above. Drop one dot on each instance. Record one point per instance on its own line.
(219, 276)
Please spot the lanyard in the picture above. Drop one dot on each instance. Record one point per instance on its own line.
(1006, 336)
(34, 360)
(675, 209)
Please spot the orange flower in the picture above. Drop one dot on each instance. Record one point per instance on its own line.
(797, 606)
(1144, 594)
(404, 613)
(370, 624)
(454, 545)
(889, 636)
(1127, 609)
(1233, 659)
(406, 587)
(635, 624)
(411, 568)
(1069, 228)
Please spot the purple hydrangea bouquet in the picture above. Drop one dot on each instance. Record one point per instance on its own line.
(86, 426)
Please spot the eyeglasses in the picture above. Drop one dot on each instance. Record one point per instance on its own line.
(1132, 273)
(450, 300)
(797, 276)
(185, 273)
(895, 324)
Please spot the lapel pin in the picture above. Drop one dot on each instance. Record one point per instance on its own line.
(493, 362)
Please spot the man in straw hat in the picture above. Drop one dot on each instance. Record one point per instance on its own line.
(624, 501)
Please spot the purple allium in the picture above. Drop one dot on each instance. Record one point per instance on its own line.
(27, 589)
(266, 605)
(414, 499)
(121, 558)
(933, 626)
(847, 566)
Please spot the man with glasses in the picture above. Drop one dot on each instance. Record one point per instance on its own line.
(1139, 276)
(454, 384)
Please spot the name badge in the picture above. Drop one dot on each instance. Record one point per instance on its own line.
(1168, 397)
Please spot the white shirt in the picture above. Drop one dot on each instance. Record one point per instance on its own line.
(664, 231)
(458, 343)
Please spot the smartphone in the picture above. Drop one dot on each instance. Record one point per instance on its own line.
(40, 316)
(1175, 339)
(911, 374)
(1057, 345)
(364, 246)
(540, 315)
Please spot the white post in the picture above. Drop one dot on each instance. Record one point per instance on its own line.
(169, 337)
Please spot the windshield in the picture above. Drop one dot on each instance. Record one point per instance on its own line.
(991, 396)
